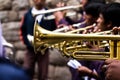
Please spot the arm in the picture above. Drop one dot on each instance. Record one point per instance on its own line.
(60, 15)
(87, 72)
(23, 31)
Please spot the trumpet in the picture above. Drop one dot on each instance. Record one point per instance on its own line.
(57, 9)
(104, 32)
(44, 39)
(82, 29)
(66, 28)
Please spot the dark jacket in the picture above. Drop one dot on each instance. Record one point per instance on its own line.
(28, 26)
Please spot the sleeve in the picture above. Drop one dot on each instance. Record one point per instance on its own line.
(23, 30)
(1, 46)
(63, 21)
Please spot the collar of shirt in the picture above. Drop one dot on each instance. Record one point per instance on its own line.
(35, 11)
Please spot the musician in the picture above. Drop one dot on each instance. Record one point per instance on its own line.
(27, 29)
(109, 18)
(61, 19)
(92, 11)
(91, 14)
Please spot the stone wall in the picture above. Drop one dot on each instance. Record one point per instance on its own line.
(11, 12)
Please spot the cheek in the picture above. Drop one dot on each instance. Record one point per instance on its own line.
(101, 25)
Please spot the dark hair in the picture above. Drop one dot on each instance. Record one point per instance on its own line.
(111, 13)
(93, 9)
(97, 1)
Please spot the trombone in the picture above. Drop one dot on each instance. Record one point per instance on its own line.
(44, 39)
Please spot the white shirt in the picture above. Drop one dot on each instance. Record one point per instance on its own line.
(35, 12)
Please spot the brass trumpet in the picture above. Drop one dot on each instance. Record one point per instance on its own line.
(82, 29)
(44, 39)
(66, 28)
(58, 9)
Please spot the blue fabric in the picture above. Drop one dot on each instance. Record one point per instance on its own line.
(10, 71)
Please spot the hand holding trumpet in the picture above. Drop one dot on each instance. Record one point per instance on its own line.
(111, 67)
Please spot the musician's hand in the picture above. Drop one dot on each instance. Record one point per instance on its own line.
(71, 28)
(96, 29)
(115, 30)
(60, 26)
(84, 71)
(112, 69)
(58, 15)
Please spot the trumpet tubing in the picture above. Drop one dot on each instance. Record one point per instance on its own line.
(44, 39)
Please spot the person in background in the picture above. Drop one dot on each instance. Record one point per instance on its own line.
(62, 20)
(27, 29)
(8, 69)
(3, 44)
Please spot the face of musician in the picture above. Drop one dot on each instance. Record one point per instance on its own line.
(39, 4)
(101, 23)
(109, 17)
(91, 12)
